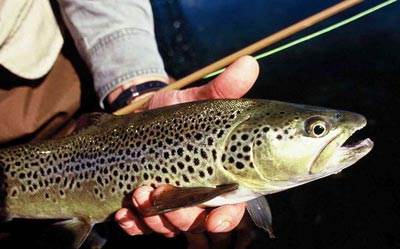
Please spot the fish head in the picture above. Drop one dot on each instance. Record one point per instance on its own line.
(291, 144)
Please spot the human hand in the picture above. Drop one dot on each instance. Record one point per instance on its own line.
(170, 224)
(237, 79)
(234, 82)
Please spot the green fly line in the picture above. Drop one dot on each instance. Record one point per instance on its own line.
(313, 35)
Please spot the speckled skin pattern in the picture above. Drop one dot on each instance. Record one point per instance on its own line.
(88, 173)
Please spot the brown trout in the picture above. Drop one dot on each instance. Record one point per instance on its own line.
(213, 152)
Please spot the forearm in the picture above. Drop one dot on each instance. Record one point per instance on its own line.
(116, 39)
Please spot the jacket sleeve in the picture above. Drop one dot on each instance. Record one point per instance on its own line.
(115, 38)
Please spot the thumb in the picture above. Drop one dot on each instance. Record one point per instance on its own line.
(234, 82)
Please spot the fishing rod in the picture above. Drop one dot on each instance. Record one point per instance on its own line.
(313, 35)
(215, 68)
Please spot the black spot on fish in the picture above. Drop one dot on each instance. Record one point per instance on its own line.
(223, 158)
(265, 129)
(187, 158)
(166, 155)
(203, 154)
(279, 137)
(181, 165)
(244, 137)
(214, 154)
(58, 179)
(246, 148)
(210, 170)
(233, 148)
(169, 141)
(173, 169)
(201, 174)
(185, 178)
(191, 169)
(239, 165)
(198, 136)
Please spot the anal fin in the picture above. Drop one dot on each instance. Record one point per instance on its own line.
(168, 198)
(68, 234)
(260, 213)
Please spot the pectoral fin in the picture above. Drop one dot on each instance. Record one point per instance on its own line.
(260, 213)
(168, 197)
(68, 234)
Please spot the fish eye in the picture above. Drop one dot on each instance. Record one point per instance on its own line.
(317, 127)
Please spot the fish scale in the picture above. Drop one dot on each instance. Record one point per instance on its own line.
(247, 148)
(105, 166)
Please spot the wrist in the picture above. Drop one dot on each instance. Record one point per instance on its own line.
(134, 90)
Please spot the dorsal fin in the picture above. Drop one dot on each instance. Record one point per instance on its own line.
(89, 119)
(84, 121)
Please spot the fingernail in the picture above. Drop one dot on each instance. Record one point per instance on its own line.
(223, 224)
(126, 224)
(141, 197)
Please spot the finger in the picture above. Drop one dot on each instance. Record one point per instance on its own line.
(234, 82)
(130, 223)
(188, 219)
(157, 223)
(225, 218)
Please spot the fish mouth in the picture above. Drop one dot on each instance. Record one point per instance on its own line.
(341, 152)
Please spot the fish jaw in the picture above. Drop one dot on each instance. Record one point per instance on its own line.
(335, 156)
(339, 156)
(348, 155)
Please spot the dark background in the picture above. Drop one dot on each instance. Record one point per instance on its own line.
(355, 68)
